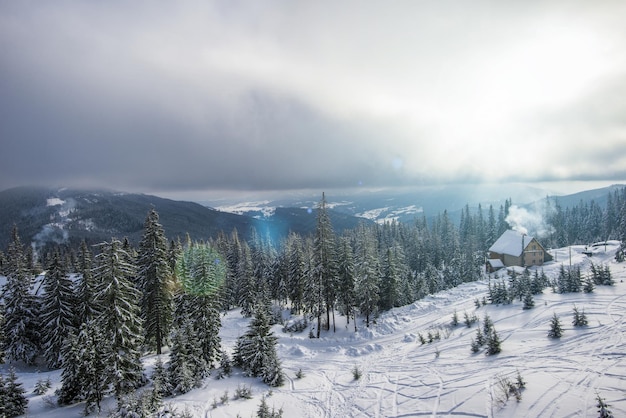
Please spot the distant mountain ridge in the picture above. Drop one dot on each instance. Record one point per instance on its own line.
(47, 216)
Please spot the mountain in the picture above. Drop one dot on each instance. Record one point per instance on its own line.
(401, 204)
(407, 204)
(66, 216)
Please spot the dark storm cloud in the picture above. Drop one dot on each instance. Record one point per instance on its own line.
(227, 95)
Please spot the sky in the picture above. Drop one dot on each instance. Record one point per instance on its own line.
(195, 97)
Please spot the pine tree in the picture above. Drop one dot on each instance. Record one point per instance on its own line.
(389, 282)
(580, 318)
(493, 343)
(2, 342)
(15, 402)
(255, 351)
(603, 408)
(86, 309)
(487, 324)
(155, 282)
(226, 366)
(22, 338)
(160, 381)
(117, 300)
(366, 272)
(325, 262)
(555, 327)
(85, 369)
(529, 302)
(57, 314)
(3, 397)
(186, 367)
(346, 296)
(296, 273)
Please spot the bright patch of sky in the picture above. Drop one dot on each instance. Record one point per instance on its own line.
(191, 97)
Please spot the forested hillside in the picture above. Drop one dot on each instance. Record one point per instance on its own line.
(95, 311)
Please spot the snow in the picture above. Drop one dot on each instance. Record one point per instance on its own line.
(54, 201)
(401, 377)
(510, 242)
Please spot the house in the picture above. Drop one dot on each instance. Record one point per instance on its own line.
(516, 249)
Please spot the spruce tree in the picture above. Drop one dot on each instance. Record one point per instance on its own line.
(186, 367)
(493, 342)
(555, 327)
(580, 318)
(22, 339)
(255, 351)
(117, 300)
(529, 302)
(296, 272)
(366, 273)
(2, 343)
(57, 313)
(15, 401)
(325, 262)
(86, 309)
(603, 408)
(155, 282)
(85, 373)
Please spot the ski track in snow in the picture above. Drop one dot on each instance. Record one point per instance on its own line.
(403, 378)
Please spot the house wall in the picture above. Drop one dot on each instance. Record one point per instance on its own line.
(510, 260)
(533, 254)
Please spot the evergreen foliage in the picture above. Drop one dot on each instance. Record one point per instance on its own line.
(22, 339)
(556, 331)
(493, 342)
(155, 279)
(119, 319)
(13, 401)
(603, 408)
(580, 318)
(255, 351)
(57, 313)
(529, 302)
(86, 370)
(86, 309)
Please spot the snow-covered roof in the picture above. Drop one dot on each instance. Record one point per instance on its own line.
(511, 243)
(495, 263)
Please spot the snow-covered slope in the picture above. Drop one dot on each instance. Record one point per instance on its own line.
(402, 377)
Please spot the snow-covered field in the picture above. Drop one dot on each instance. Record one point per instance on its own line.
(402, 377)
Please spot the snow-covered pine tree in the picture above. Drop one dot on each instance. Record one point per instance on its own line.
(155, 282)
(1, 333)
(346, 283)
(186, 366)
(580, 318)
(160, 381)
(529, 302)
(22, 339)
(84, 375)
(86, 309)
(226, 366)
(247, 285)
(57, 312)
(493, 342)
(487, 325)
(325, 261)
(296, 272)
(255, 351)
(603, 408)
(12, 396)
(389, 282)
(366, 274)
(588, 285)
(206, 322)
(556, 331)
(118, 303)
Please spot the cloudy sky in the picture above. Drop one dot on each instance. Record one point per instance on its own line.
(186, 97)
